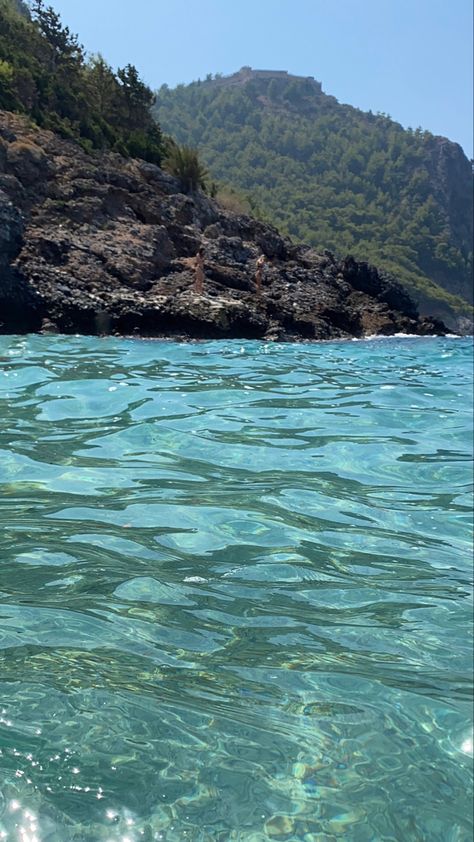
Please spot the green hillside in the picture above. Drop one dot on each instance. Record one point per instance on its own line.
(45, 74)
(336, 177)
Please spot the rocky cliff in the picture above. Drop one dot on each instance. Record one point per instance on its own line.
(95, 243)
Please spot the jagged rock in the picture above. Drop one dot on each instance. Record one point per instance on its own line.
(212, 232)
(27, 161)
(19, 310)
(96, 243)
(154, 175)
(11, 230)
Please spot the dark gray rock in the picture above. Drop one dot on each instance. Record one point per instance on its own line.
(19, 304)
(101, 244)
(11, 230)
(28, 162)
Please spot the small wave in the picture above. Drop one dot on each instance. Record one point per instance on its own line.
(235, 594)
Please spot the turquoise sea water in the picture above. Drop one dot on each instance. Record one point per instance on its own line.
(235, 596)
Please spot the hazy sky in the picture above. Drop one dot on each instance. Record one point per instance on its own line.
(409, 58)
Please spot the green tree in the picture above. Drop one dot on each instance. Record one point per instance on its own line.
(273, 90)
(64, 45)
(43, 73)
(137, 98)
(102, 86)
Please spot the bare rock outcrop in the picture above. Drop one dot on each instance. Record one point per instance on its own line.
(95, 243)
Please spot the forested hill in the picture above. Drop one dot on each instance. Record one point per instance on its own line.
(45, 74)
(335, 177)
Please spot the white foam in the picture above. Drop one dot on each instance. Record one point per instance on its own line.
(379, 337)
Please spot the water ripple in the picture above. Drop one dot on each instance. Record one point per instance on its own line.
(236, 590)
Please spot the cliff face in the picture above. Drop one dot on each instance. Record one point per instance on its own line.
(451, 180)
(99, 243)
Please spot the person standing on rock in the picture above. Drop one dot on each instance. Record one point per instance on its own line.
(259, 273)
(199, 271)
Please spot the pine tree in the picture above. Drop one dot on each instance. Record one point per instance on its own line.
(102, 85)
(65, 47)
(137, 98)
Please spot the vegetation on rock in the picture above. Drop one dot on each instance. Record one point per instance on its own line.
(183, 162)
(45, 74)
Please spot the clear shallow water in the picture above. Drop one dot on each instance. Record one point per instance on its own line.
(235, 598)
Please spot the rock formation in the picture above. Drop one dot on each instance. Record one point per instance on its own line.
(96, 243)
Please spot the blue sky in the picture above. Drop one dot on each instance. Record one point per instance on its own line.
(409, 58)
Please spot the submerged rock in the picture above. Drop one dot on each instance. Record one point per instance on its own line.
(96, 243)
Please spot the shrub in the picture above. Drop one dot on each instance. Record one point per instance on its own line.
(183, 162)
(232, 201)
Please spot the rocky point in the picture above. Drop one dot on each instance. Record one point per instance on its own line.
(96, 243)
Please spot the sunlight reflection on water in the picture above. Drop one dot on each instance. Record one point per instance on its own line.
(236, 593)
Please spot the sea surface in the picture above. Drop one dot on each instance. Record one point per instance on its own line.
(235, 590)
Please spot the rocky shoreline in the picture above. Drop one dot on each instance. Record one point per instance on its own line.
(97, 244)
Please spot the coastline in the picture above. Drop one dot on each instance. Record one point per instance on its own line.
(94, 243)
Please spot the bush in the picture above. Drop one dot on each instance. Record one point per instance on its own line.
(183, 162)
(233, 201)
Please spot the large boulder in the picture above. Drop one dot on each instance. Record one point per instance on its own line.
(28, 162)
